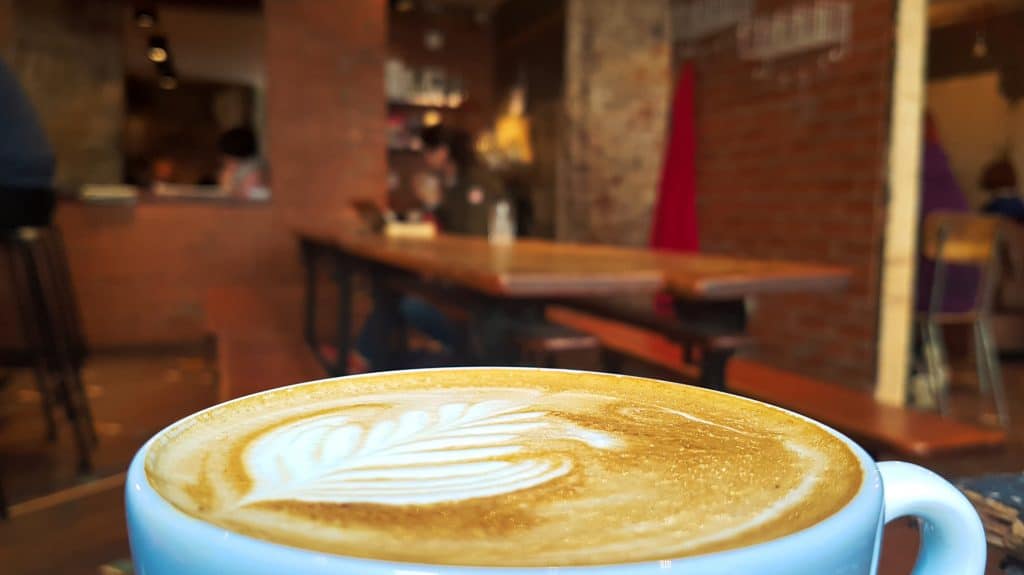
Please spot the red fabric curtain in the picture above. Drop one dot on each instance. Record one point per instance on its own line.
(675, 216)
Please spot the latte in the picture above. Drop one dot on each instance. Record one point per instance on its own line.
(503, 467)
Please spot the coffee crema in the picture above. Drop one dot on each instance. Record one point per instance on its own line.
(503, 467)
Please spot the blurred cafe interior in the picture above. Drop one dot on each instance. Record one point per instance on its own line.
(812, 203)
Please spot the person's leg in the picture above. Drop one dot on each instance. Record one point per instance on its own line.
(424, 317)
(375, 337)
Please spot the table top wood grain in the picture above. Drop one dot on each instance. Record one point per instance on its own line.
(530, 268)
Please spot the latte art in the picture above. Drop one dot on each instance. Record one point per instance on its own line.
(452, 453)
(503, 467)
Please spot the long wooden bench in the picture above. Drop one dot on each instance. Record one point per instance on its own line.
(878, 427)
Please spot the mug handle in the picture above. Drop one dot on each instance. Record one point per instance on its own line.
(952, 536)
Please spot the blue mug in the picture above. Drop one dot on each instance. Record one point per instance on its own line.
(166, 541)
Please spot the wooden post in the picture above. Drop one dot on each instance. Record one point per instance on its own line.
(896, 308)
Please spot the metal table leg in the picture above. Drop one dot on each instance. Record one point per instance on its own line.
(713, 318)
(309, 296)
(311, 255)
(387, 325)
(343, 336)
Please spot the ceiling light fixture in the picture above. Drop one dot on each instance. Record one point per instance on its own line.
(168, 77)
(158, 51)
(145, 17)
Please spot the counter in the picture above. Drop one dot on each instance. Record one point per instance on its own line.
(141, 269)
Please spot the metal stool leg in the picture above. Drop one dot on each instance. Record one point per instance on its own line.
(995, 376)
(75, 407)
(981, 360)
(30, 331)
(939, 370)
(66, 287)
(71, 347)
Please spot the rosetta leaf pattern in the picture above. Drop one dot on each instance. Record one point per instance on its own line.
(453, 452)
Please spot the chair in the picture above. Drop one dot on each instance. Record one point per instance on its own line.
(953, 238)
(51, 329)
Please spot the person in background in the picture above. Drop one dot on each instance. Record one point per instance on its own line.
(164, 170)
(1000, 180)
(27, 163)
(456, 194)
(242, 171)
(467, 189)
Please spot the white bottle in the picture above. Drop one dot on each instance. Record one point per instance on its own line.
(502, 229)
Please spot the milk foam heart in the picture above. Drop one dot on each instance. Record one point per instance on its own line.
(503, 467)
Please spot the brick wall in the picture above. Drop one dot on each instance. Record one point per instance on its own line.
(795, 169)
(326, 112)
(617, 89)
(6, 28)
(142, 272)
(67, 55)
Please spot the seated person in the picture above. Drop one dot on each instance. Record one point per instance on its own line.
(461, 206)
(27, 163)
(1000, 181)
(241, 171)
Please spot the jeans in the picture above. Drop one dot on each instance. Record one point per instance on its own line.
(376, 339)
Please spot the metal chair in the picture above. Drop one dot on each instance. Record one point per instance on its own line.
(953, 238)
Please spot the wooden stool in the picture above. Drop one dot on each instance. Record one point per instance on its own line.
(539, 344)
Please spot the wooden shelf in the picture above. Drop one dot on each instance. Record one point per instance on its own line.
(415, 106)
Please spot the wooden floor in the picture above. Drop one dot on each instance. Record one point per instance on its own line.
(66, 524)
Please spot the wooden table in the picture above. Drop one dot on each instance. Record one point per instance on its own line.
(709, 292)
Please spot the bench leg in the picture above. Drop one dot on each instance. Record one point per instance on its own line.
(712, 368)
(611, 362)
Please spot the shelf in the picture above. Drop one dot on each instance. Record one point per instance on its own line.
(415, 106)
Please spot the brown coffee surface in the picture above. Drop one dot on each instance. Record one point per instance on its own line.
(503, 467)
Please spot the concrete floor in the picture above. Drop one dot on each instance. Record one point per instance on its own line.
(133, 396)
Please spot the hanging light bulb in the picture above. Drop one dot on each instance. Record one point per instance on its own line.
(980, 49)
(157, 51)
(145, 17)
(168, 77)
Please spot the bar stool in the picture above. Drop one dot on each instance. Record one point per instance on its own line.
(48, 315)
(967, 240)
